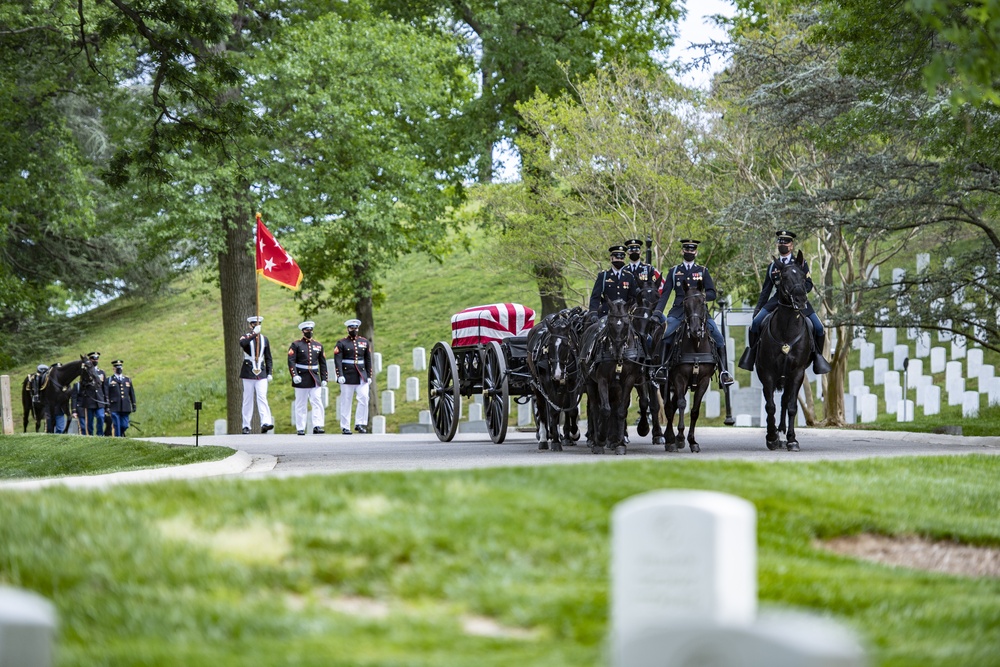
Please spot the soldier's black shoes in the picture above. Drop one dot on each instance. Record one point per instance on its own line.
(246, 429)
(266, 427)
(726, 378)
(318, 430)
(820, 365)
(300, 432)
(748, 359)
(345, 431)
(360, 429)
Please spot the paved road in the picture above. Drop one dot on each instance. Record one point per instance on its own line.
(299, 455)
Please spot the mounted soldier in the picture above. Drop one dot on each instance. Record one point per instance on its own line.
(768, 301)
(613, 284)
(645, 273)
(676, 282)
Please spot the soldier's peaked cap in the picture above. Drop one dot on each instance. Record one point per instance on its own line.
(94, 355)
(690, 242)
(255, 319)
(353, 323)
(308, 324)
(785, 236)
(117, 362)
(616, 248)
(633, 242)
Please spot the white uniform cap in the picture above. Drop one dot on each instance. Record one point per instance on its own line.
(255, 319)
(353, 323)
(309, 324)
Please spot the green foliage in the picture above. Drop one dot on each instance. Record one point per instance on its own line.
(386, 569)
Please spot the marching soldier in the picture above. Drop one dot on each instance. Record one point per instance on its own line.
(646, 275)
(352, 357)
(91, 401)
(256, 374)
(768, 301)
(307, 366)
(121, 399)
(675, 282)
(614, 283)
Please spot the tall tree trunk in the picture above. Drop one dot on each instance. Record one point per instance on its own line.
(237, 282)
(486, 158)
(550, 281)
(834, 382)
(364, 310)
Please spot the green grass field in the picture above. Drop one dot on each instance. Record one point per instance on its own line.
(390, 569)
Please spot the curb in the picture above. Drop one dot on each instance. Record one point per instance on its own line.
(239, 462)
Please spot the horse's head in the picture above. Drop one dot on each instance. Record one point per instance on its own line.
(618, 323)
(562, 347)
(695, 309)
(644, 306)
(792, 283)
(89, 375)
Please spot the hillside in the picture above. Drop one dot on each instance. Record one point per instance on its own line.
(173, 349)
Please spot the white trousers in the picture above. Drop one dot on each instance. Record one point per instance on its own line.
(258, 388)
(313, 395)
(347, 392)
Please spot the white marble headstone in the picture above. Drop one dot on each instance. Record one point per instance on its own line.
(388, 402)
(424, 417)
(881, 365)
(956, 391)
(994, 392)
(27, 629)
(855, 380)
(923, 344)
(974, 361)
(899, 353)
(913, 372)
(958, 347)
(939, 357)
(682, 556)
(419, 359)
(412, 389)
(220, 427)
(970, 404)
(378, 424)
(392, 377)
(868, 408)
(867, 355)
(524, 416)
(888, 340)
(944, 335)
(893, 394)
(932, 401)
(904, 411)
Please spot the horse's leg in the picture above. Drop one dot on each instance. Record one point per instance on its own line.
(603, 412)
(571, 426)
(621, 417)
(642, 429)
(792, 408)
(699, 394)
(782, 425)
(554, 443)
(681, 387)
(772, 433)
(654, 411)
(538, 408)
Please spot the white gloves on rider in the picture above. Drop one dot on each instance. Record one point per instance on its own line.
(369, 381)
(323, 383)
(256, 329)
(296, 379)
(341, 380)
(270, 377)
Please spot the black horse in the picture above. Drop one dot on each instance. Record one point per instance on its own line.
(784, 353)
(553, 350)
(52, 389)
(690, 368)
(609, 358)
(649, 336)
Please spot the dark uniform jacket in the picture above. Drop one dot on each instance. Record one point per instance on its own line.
(121, 395)
(352, 358)
(675, 282)
(307, 359)
(91, 396)
(256, 348)
(769, 291)
(645, 274)
(610, 286)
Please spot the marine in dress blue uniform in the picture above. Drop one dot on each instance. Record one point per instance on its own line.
(121, 399)
(352, 359)
(675, 282)
(307, 366)
(256, 374)
(768, 301)
(613, 283)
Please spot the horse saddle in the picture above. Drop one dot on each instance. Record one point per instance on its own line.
(37, 383)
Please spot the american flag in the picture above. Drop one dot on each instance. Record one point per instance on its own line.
(482, 324)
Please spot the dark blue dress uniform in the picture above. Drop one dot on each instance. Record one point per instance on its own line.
(611, 285)
(91, 401)
(256, 348)
(769, 290)
(676, 281)
(121, 402)
(352, 358)
(645, 274)
(307, 359)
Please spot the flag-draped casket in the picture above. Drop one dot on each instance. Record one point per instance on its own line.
(482, 324)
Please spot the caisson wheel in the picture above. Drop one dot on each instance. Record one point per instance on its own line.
(442, 391)
(496, 401)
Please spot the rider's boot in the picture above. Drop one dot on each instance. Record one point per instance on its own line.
(820, 365)
(749, 357)
(660, 373)
(725, 377)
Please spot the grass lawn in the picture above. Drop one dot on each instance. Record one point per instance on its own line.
(41, 455)
(389, 569)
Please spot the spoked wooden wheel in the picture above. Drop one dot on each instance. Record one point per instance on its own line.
(442, 392)
(496, 401)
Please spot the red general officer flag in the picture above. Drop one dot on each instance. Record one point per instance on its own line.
(273, 262)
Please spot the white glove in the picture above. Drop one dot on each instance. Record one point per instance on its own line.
(341, 380)
(369, 381)
(323, 383)
(269, 378)
(256, 329)
(296, 379)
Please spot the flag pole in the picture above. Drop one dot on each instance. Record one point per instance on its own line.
(256, 273)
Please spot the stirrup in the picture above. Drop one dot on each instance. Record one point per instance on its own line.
(726, 378)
